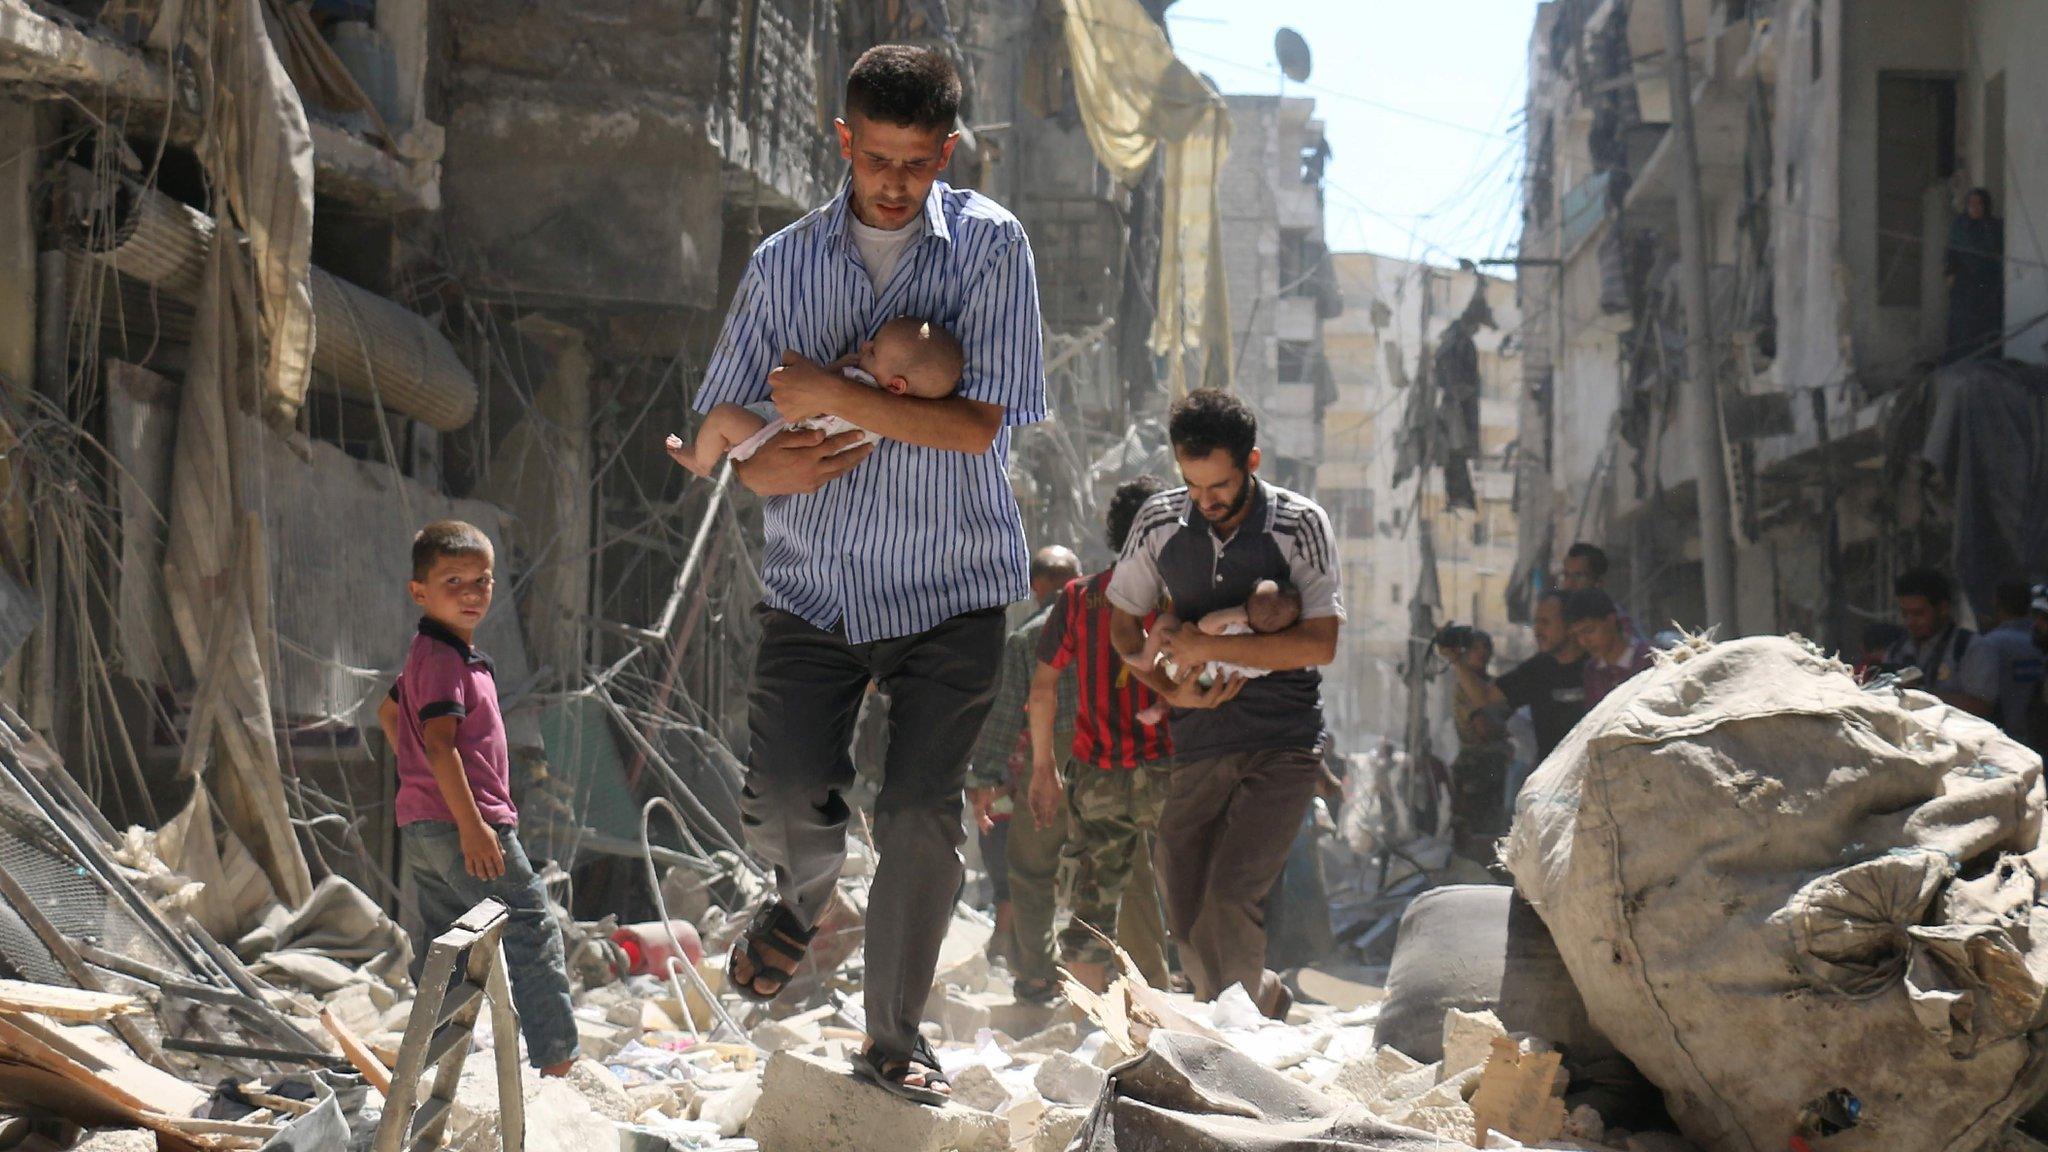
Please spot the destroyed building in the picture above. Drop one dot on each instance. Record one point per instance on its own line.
(1395, 317)
(1835, 142)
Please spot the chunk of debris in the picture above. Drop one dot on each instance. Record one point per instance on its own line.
(1056, 1128)
(1067, 1079)
(809, 1104)
(1366, 1080)
(1468, 1040)
(977, 1087)
(1517, 1095)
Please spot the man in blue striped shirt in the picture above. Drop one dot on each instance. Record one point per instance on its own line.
(889, 563)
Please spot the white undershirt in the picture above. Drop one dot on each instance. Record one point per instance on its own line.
(882, 251)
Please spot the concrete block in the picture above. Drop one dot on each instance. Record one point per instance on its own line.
(607, 1097)
(977, 1087)
(813, 1105)
(1366, 1080)
(1056, 1128)
(1468, 1040)
(1061, 1037)
(731, 1108)
(1402, 1090)
(958, 1014)
(1067, 1079)
(1451, 1122)
(117, 1140)
(656, 1097)
(777, 1036)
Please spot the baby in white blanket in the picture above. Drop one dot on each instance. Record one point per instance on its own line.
(908, 356)
(1270, 608)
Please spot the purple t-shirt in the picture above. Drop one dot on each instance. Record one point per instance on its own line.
(444, 676)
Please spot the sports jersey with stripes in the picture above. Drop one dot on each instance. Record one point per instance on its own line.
(1107, 731)
(911, 536)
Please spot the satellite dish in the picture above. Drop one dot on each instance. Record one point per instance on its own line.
(1292, 52)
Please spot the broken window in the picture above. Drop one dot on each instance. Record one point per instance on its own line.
(1916, 150)
(1297, 362)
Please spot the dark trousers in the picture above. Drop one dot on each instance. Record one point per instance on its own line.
(808, 685)
(1224, 835)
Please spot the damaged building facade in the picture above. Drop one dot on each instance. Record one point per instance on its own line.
(456, 260)
(1836, 144)
(1395, 317)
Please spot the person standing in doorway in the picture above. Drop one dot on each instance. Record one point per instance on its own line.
(1248, 752)
(887, 563)
(1975, 265)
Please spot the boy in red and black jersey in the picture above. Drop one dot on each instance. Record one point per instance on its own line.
(1114, 783)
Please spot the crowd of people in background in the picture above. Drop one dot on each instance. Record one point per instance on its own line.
(1587, 646)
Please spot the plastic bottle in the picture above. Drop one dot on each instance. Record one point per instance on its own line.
(647, 951)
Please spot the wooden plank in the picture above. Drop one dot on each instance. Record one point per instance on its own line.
(89, 1054)
(358, 1053)
(71, 1005)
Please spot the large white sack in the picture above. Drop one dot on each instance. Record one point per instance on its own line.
(1768, 884)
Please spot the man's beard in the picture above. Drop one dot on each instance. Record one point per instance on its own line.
(1244, 496)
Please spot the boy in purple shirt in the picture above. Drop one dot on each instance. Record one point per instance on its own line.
(455, 813)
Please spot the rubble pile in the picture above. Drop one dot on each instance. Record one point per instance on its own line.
(129, 1025)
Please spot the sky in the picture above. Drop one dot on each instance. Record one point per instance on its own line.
(1421, 102)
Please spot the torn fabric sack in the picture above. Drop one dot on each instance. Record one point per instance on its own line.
(1752, 865)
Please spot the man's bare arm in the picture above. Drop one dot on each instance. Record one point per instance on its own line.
(1306, 644)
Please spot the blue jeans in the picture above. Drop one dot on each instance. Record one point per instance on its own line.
(533, 942)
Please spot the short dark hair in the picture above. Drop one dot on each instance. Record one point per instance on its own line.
(905, 85)
(1594, 556)
(1123, 507)
(1588, 604)
(1931, 584)
(2013, 598)
(448, 538)
(1209, 418)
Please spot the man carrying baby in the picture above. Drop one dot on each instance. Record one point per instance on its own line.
(1248, 750)
(885, 563)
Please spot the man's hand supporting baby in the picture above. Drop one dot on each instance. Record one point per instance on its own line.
(801, 461)
(803, 390)
(1127, 635)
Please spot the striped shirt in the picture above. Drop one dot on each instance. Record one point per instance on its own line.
(1107, 732)
(1173, 555)
(912, 536)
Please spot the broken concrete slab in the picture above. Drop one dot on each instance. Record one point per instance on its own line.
(809, 1104)
(1062, 1037)
(1067, 1079)
(778, 1036)
(1468, 1039)
(1453, 1122)
(977, 1087)
(1366, 1080)
(1056, 1128)
(731, 1109)
(958, 1014)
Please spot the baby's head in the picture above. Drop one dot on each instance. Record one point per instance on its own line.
(1271, 608)
(914, 357)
